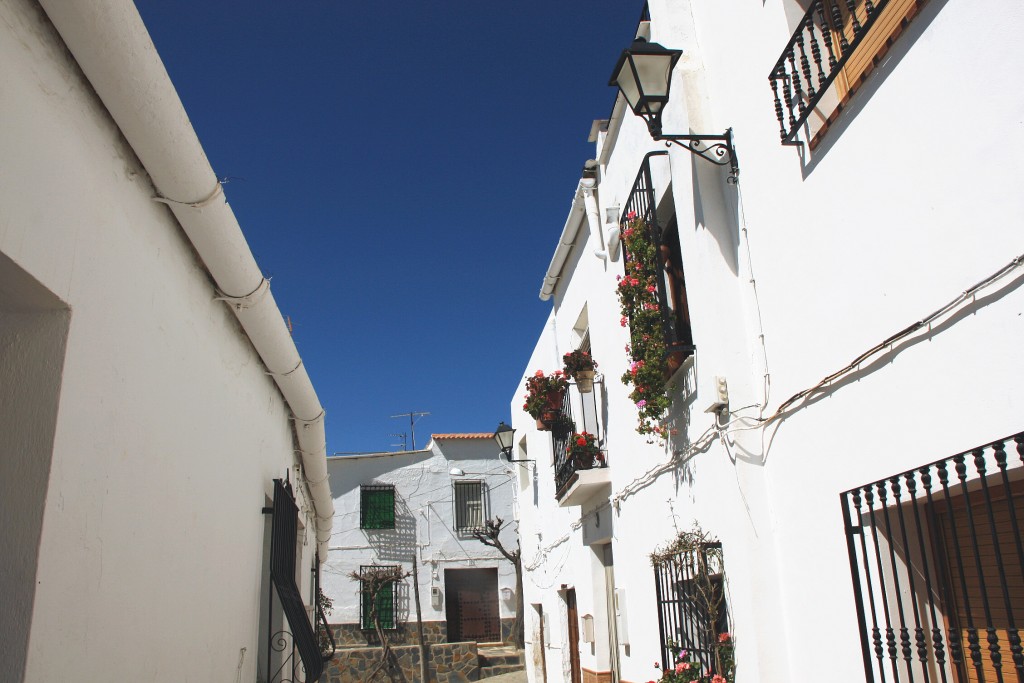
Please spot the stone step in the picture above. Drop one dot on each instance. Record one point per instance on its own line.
(499, 659)
(488, 671)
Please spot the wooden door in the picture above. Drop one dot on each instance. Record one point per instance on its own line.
(472, 605)
(574, 634)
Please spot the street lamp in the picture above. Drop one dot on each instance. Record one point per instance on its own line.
(504, 436)
(644, 74)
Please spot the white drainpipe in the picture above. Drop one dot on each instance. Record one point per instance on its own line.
(580, 206)
(114, 50)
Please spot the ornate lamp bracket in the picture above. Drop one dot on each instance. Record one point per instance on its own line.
(718, 149)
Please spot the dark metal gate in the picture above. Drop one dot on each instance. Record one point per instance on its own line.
(472, 605)
(692, 613)
(937, 562)
(293, 651)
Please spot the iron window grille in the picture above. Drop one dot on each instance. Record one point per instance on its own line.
(469, 506)
(672, 300)
(692, 610)
(377, 506)
(385, 603)
(937, 563)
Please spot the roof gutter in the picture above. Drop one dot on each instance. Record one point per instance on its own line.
(117, 55)
(583, 204)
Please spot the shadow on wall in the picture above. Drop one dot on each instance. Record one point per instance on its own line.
(396, 545)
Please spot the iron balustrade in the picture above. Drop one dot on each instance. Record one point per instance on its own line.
(580, 411)
(642, 205)
(827, 36)
(692, 612)
(937, 562)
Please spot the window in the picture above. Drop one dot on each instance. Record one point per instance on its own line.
(938, 567)
(385, 602)
(469, 506)
(692, 611)
(836, 43)
(377, 507)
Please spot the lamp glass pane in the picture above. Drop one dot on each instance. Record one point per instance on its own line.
(627, 84)
(653, 71)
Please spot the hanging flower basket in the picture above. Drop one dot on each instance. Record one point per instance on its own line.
(580, 365)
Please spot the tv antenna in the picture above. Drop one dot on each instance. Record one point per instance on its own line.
(412, 415)
(405, 440)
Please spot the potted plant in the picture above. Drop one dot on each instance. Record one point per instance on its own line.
(583, 451)
(544, 395)
(580, 365)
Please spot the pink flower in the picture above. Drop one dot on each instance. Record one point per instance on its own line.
(719, 679)
(641, 403)
(539, 373)
(631, 215)
(651, 288)
(724, 637)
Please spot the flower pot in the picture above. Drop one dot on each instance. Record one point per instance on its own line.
(583, 461)
(585, 381)
(548, 418)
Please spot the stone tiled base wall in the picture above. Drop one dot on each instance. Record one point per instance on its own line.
(450, 663)
(597, 676)
(351, 635)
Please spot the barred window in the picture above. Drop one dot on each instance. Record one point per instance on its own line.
(469, 505)
(377, 507)
(385, 603)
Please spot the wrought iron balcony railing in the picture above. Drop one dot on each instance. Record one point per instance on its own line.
(581, 413)
(937, 560)
(826, 39)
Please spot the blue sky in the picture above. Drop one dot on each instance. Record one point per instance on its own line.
(402, 171)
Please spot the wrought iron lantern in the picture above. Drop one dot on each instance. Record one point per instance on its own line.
(644, 75)
(504, 436)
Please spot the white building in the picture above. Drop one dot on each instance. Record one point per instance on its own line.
(424, 504)
(150, 394)
(855, 543)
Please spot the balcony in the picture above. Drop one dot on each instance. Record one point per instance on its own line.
(834, 45)
(576, 482)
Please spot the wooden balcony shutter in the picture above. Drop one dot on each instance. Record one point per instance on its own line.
(958, 534)
(875, 44)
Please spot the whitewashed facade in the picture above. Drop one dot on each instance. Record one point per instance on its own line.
(141, 424)
(816, 256)
(428, 523)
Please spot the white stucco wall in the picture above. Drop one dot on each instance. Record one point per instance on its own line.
(893, 215)
(424, 525)
(168, 432)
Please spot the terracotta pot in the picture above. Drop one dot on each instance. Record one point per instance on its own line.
(585, 381)
(549, 417)
(583, 461)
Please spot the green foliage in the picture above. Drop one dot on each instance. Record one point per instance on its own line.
(641, 312)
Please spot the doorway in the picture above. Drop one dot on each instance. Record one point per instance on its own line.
(573, 617)
(471, 607)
